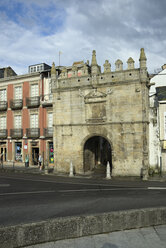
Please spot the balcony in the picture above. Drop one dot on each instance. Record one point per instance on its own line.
(48, 132)
(16, 133)
(33, 132)
(33, 102)
(3, 133)
(16, 104)
(3, 105)
(47, 100)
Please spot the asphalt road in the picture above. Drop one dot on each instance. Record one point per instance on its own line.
(30, 198)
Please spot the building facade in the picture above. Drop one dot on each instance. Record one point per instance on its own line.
(157, 126)
(26, 117)
(101, 117)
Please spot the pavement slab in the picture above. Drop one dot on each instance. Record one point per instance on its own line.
(149, 237)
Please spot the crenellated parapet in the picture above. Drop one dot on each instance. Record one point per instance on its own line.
(130, 63)
(118, 65)
(82, 74)
(107, 66)
(64, 73)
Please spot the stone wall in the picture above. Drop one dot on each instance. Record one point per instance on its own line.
(113, 105)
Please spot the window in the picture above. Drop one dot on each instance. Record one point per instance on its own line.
(18, 92)
(37, 68)
(3, 95)
(17, 121)
(3, 122)
(50, 120)
(34, 120)
(34, 90)
(31, 69)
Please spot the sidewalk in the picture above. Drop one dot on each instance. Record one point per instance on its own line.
(153, 237)
(34, 169)
(21, 168)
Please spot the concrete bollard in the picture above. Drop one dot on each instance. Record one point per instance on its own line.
(71, 170)
(108, 176)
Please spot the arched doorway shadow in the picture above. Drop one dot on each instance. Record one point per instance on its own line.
(97, 152)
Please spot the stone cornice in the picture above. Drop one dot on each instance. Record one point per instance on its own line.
(90, 86)
(18, 77)
(103, 123)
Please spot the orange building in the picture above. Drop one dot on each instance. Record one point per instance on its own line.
(26, 118)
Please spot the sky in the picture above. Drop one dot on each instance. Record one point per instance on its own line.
(35, 31)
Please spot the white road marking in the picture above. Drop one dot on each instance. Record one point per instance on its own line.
(154, 188)
(73, 183)
(88, 190)
(23, 193)
(4, 185)
(80, 190)
(67, 191)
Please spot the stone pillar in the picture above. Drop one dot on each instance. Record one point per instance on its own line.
(145, 113)
(107, 66)
(119, 65)
(130, 63)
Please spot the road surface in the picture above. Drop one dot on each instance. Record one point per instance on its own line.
(28, 198)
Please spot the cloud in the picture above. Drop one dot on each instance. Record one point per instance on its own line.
(35, 31)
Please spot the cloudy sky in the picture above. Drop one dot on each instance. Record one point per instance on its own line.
(34, 31)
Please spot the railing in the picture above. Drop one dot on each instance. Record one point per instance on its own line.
(33, 132)
(48, 132)
(33, 101)
(3, 105)
(47, 100)
(16, 104)
(3, 133)
(16, 133)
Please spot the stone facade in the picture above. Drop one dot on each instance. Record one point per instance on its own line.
(100, 117)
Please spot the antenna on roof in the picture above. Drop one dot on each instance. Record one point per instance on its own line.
(59, 56)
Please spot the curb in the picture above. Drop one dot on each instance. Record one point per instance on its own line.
(79, 226)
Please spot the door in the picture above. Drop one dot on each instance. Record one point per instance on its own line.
(35, 155)
(97, 152)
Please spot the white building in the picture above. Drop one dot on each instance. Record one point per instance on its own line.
(157, 118)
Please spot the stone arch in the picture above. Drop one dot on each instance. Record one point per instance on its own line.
(97, 151)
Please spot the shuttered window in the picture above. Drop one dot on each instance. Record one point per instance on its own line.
(50, 120)
(18, 92)
(17, 122)
(34, 121)
(3, 122)
(3, 95)
(34, 90)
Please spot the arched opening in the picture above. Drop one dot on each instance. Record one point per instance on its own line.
(97, 152)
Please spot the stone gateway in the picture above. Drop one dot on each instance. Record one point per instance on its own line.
(101, 117)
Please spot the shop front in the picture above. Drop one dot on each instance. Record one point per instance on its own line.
(51, 153)
(18, 151)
